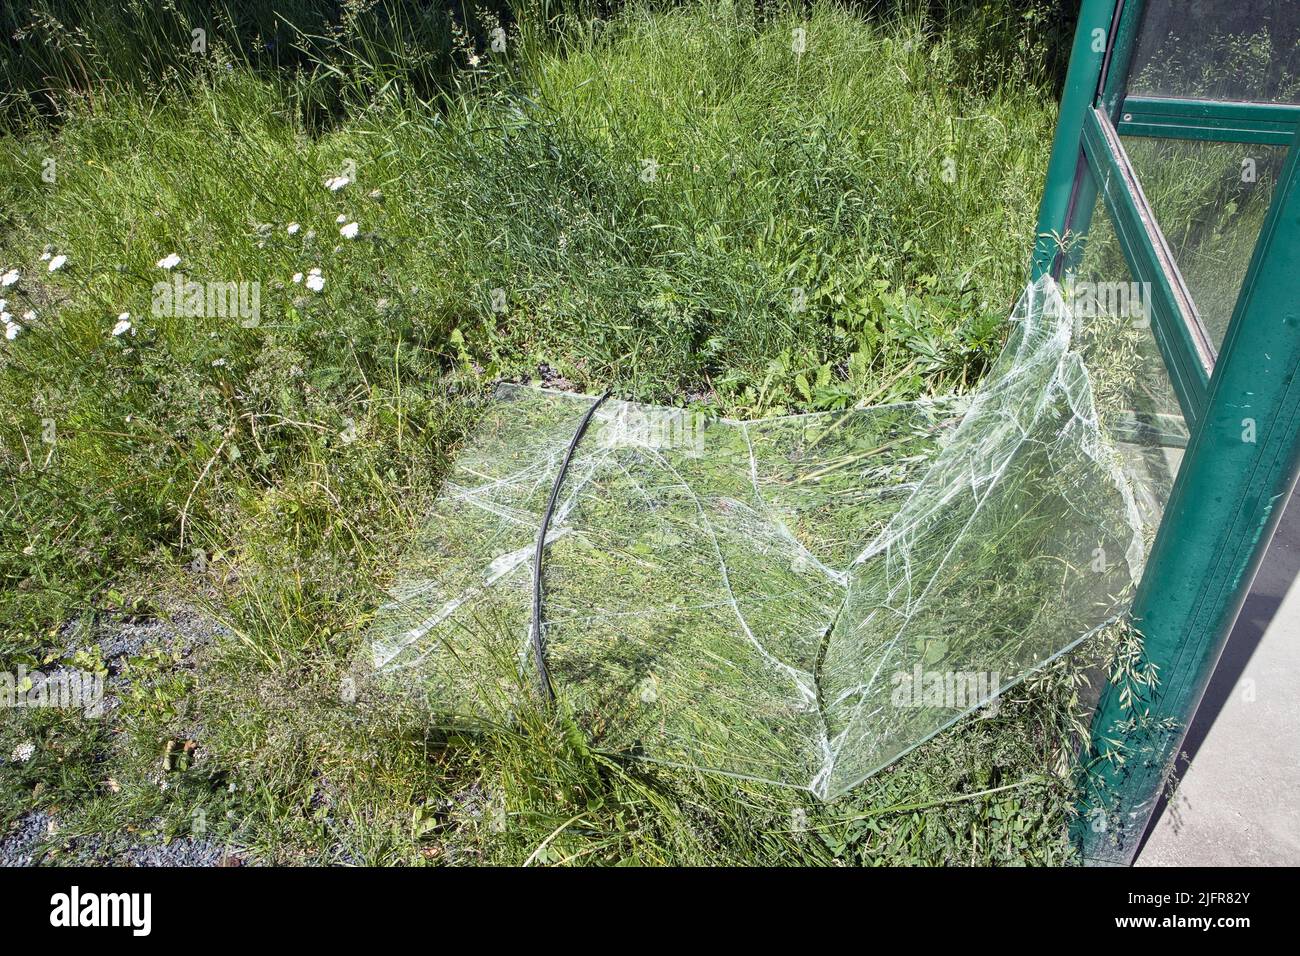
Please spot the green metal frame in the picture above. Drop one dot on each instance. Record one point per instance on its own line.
(1225, 504)
(1063, 167)
(1271, 125)
(1123, 44)
(1230, 490)
(1184, 344)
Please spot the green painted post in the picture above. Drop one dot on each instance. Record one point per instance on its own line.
(1081, 82)
(1239, 468)
(1124, 41)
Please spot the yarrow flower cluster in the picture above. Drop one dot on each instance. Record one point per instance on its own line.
(315, 281)
(11, 326)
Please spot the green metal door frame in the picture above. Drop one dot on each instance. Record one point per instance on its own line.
(1242, 407)
(1267, 124)
(1184, 344)
(1064, 167)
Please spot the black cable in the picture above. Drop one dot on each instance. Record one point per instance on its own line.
(539, 650)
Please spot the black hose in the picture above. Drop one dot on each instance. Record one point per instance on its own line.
(539, 649)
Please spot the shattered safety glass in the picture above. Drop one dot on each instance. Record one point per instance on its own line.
(798, 600)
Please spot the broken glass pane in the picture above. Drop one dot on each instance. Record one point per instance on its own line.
(797, 600)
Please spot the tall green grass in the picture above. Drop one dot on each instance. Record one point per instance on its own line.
(330, 57)
(797, 245)
(848, 224)
(61, 54)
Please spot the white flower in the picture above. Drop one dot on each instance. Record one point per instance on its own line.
(12, 330)
(45, 256)
(4, 304)
(23, 752)
(9, 278)
(217, 363)
(170, 261)
(297, 277)
(340, 218)
(5, 317)
(123, 324)
(335, 183)
(57, 263)
(349, 231)
(292, 228)
(29, 315)
(315, 281)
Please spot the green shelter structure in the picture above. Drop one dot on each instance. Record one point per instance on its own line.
(1176, 148)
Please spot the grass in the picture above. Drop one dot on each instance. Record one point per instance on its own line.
(1211, 200)
(671, 204)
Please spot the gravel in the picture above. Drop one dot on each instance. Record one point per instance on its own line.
(31, 838)
(29, 842)
(19, 846)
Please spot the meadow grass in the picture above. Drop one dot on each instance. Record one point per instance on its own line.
(670, 203)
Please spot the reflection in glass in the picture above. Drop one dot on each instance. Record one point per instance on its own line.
(1137, 407)
(1210, 200)
(1219, 50)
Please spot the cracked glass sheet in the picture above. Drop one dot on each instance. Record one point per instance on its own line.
(798, 600)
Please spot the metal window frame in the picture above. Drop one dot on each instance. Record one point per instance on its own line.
(1225, 504)
(1216, 121)
(1184, 343)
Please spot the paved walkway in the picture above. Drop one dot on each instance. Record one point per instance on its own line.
(1239, 799)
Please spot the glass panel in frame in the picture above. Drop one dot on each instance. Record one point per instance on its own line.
(1210, 201)
(1241, 50)
(1137, 406)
